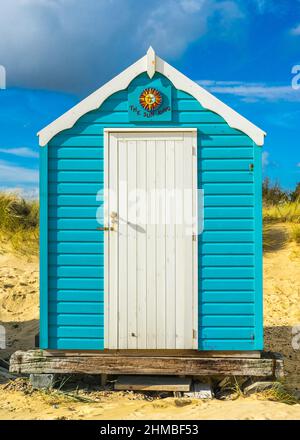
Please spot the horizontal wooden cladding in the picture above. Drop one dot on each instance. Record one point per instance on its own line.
(227, 309)
(225, 141)
(76, 176)
(228, 212)
(76, 344)
(77, 271)
(93, 212)
(226, 332)
(37, 361)
(227, 176)
(223, 164)
(79, 307)
(227, 237)
(225, 153)
(76, 236)
(76, 248)
(227, 321)
(221, 200)
(75, 331)
(76, 260)
(76, 153)
(74, 200)
(76, 165)
(226, 248)
(228, 224)
(223, 344)
(73, 224)
(75, 295)
(76, 283)
(227, 188)
(226, 272)
(75, 188)
(226, 260)
(227, 284)
(73, 319)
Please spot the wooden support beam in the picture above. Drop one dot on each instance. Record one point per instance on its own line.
(153, 383)
(41, 361)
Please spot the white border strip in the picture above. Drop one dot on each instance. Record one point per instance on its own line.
(180, 81)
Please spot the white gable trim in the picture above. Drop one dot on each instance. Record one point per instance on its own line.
(151, 63)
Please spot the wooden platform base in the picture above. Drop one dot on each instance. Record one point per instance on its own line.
(153, 383)
(64, 362)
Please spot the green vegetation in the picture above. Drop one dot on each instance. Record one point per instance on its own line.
(280, 207)
(19, 223)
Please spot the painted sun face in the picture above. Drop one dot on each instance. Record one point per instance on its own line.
(150, 99)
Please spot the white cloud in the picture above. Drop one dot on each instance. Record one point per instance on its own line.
(21, 152)
(296, 30)
(253, 91)
(56, 44)
(265, 159)
(10, 172)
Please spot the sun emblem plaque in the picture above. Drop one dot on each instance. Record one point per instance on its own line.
(150, 99)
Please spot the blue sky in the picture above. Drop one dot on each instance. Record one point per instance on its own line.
(55, 52)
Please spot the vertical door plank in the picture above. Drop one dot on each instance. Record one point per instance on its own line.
(170, 246)
(195, 242)
(132, 245)
(151, 246)
(113, 245)
(180, 284)
(106, 240)
(123, 252)
(161, 243)
(141, 245)
(188, 240)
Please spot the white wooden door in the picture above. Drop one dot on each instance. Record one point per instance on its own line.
(151, 255)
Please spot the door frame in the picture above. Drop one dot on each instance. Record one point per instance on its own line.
(106, 133)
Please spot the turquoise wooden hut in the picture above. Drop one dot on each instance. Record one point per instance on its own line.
(151, 143)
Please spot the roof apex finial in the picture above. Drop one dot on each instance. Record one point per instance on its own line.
(151, 62)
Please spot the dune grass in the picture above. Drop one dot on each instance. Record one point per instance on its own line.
(281, 224)
(282, 212)
(19, 223)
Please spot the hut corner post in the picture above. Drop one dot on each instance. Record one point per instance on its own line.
(44, 247)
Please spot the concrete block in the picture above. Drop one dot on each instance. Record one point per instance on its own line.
(200, 391)
(42, 381)
(258, 387)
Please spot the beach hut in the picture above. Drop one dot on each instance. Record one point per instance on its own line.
(151, 219)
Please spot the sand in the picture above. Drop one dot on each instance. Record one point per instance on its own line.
(17, 405)
(19, 315)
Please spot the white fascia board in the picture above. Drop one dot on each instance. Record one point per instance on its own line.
(92, 102)
(180, 81)
(210, 102)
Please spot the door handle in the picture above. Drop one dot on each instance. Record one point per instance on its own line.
(105, 228)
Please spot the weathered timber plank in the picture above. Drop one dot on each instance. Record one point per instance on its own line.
(37, 361)
(155, 353)
(153, 383)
